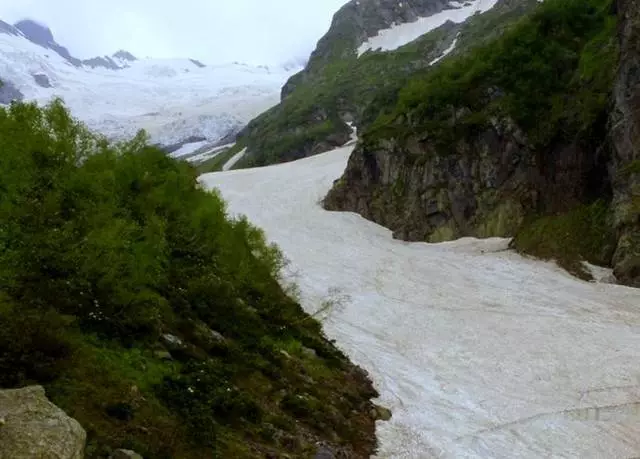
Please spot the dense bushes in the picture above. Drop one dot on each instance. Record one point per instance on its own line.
(141, 306)
(551, 74)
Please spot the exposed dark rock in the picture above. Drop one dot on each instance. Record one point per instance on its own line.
(197, 63)
(485, 188)
(103, 61)
(354, 23)
(125, 56)
(42, 80)
(625, 134)
(9, 93)
(8, 29)
(324, 452)
(42, 35)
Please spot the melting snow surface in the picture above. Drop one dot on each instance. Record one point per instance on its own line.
(208, 154)
(479, 352)
(234, 159)
(172, 99)
(446, 52)
(401, 34)
(188, 149)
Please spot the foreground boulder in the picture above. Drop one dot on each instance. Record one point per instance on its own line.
(33, 427)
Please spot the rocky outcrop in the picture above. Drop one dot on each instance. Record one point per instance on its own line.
(125, 56)
(354, 23)
(429, 175)
(41, 35)
(197, 63)
(32, 427)
(102, 61)
(484, 187)
(42, 80)
(625, 134)
(8, 29)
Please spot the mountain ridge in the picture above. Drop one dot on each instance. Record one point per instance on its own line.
(318, 103)
(173, 99)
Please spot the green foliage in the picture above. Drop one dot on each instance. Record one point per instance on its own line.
(551, 74)
(104, 248)
(632, 168)
(585, 233)
(344, 84)
(338, 83)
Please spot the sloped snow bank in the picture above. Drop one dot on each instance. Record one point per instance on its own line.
(478, 351)
(401, 34)
(234, 159)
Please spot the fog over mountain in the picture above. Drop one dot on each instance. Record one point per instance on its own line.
(250, 31)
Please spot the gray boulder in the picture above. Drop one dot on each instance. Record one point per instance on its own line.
(42, 80)
(33, 427)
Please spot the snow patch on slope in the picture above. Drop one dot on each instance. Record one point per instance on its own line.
(188, 149)
(234, 159)
(172, 99)
(446, 52)
(401, 34)
(209, 154)
(478, 351)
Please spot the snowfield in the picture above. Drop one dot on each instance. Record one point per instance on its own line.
(172, 99)
(401, 34)
(479, 352)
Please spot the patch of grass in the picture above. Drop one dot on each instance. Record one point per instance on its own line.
(630, 169)
(585, 233)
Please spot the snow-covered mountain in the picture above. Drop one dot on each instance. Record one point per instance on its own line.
(173, 99)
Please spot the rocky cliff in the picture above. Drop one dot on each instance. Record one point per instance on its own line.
(353, 24)
(338, 87)
(512, 139)
(625, 135)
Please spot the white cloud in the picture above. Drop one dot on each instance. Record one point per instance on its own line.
(253, 31)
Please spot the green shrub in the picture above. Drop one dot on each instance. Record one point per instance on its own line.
(586, 233)
(104, 248)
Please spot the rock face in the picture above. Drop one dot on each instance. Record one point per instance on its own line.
(42, 80)
(484, 189)
(625, 134)
(8, 29)
(42, 35)
(490, 179)
(354, 23)
(33, 427)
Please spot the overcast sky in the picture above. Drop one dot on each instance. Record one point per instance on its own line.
(252, 31)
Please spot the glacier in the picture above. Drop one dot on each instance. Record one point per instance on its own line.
(478, 351)
(173, 99)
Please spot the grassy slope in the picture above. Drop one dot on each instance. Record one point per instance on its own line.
(105, 249)
(552, 74)
(341, 83)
